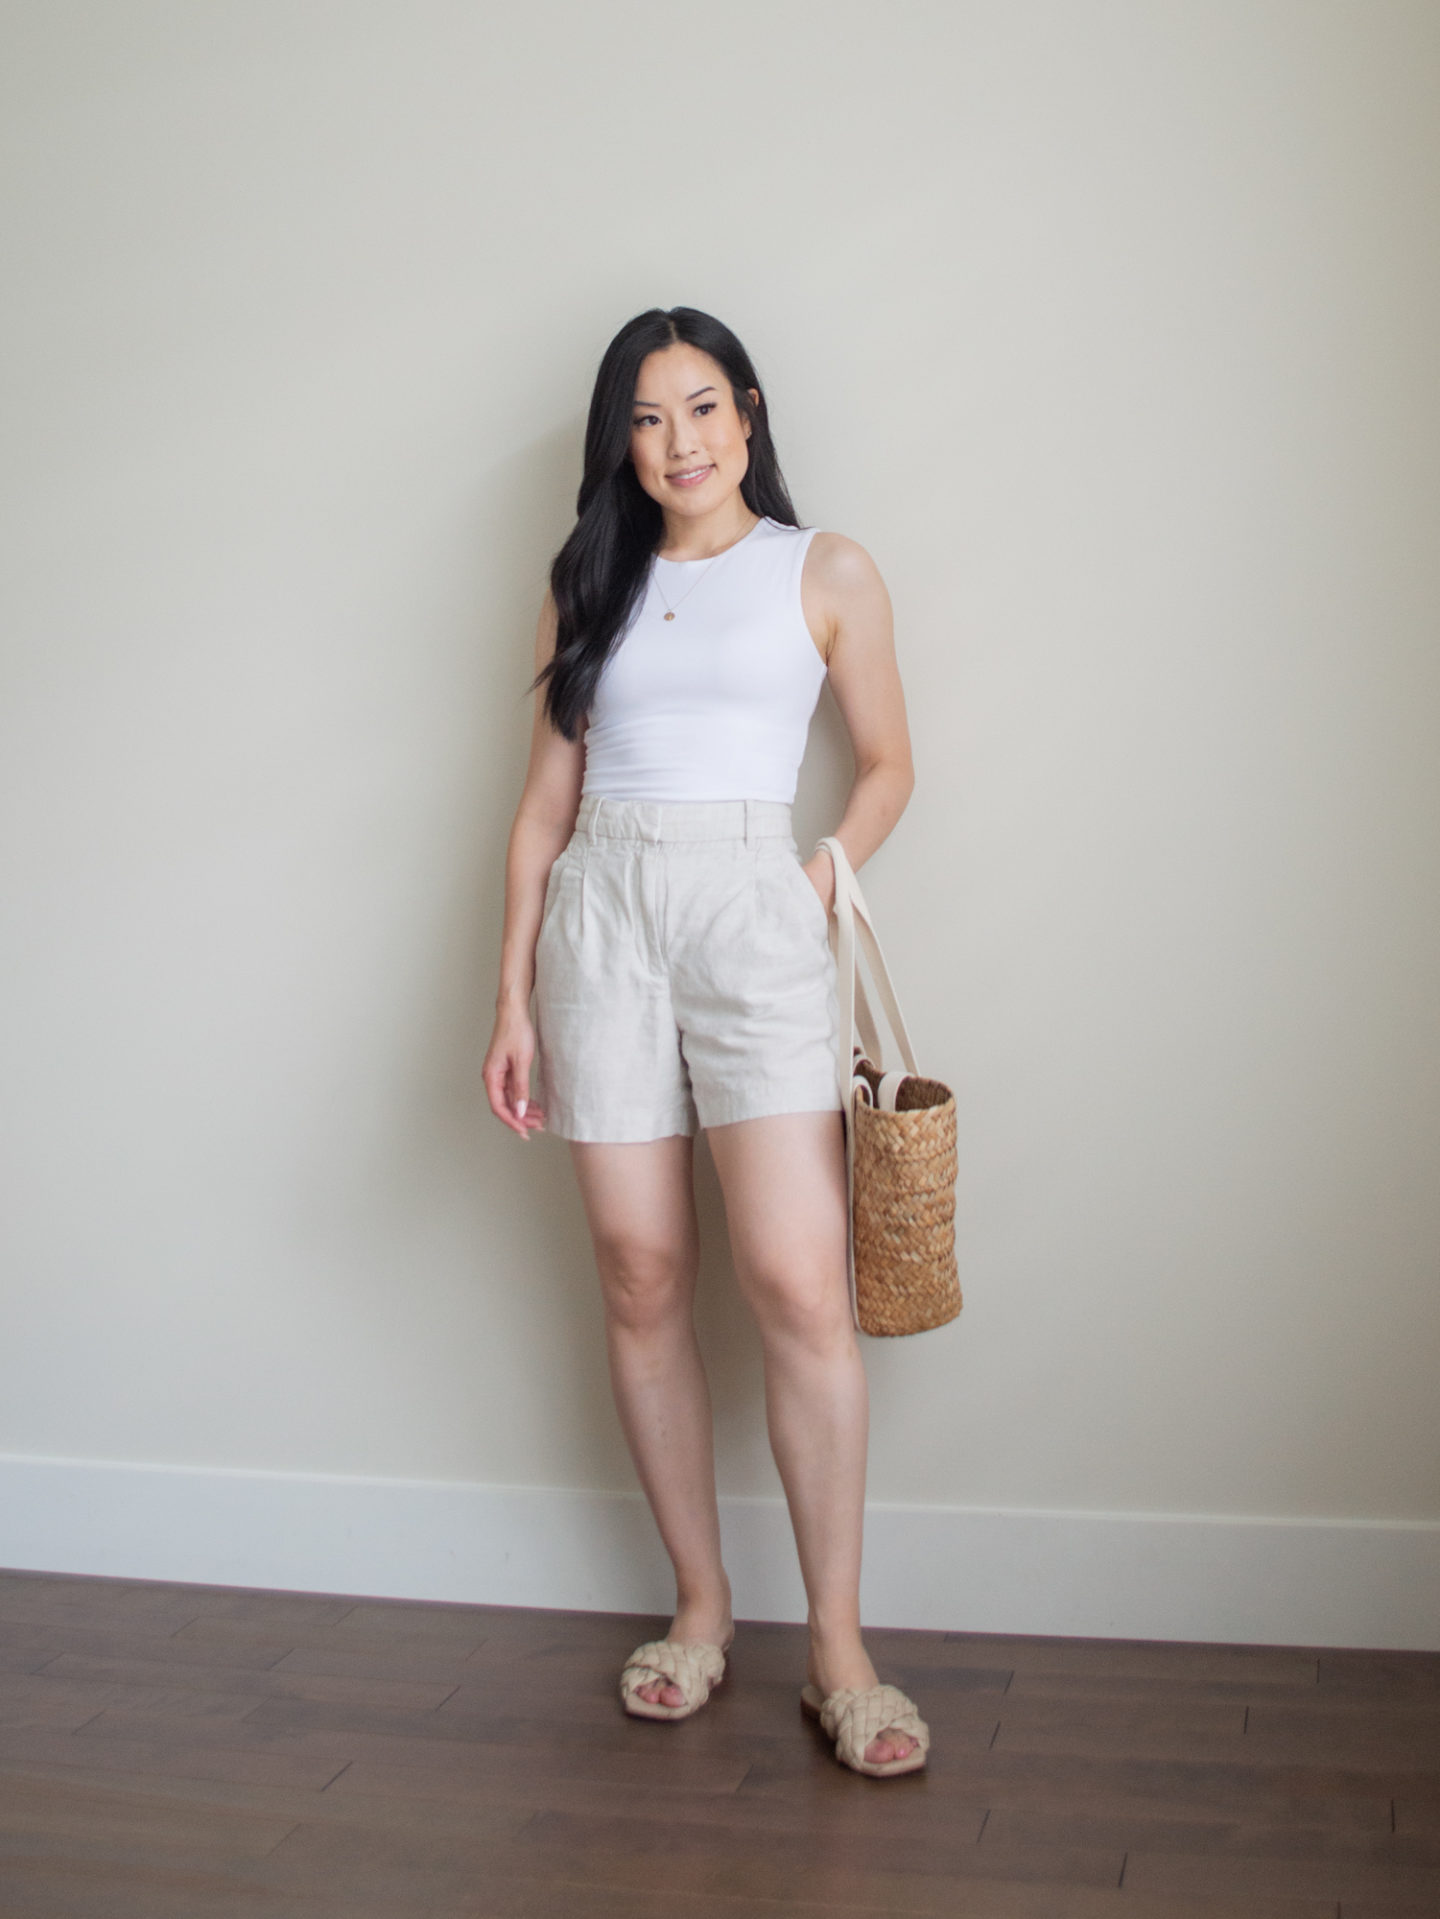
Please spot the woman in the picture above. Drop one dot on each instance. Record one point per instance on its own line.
(681, 962)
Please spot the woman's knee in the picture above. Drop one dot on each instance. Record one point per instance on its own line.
(645, 1282)
(805, 1305)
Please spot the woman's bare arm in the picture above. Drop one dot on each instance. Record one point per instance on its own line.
(544, 821)
(846, 600)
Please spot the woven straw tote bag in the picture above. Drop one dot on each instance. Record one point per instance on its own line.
(900, 1148)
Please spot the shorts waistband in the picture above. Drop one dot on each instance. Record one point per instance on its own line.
(601, 816)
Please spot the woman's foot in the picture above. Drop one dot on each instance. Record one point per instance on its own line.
(706, 1624)
(844, 1663)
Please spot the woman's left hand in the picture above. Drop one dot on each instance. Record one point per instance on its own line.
(819, 869)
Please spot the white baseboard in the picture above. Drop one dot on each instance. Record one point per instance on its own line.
(1285, 1582)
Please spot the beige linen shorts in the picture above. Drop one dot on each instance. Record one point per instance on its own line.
(683, 972)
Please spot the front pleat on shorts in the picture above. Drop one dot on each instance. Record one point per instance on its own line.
(683, 973)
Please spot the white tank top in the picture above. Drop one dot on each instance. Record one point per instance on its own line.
(716, 703)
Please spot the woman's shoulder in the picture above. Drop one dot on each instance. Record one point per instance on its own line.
(841, 589)
(837, 563)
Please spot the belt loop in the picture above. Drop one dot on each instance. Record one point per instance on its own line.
(594, 817)
(752, 826)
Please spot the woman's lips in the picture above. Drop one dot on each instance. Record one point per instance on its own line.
(693, 477)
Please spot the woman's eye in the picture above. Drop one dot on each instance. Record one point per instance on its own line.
(707, 406)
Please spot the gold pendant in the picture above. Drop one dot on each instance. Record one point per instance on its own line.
(669, 616)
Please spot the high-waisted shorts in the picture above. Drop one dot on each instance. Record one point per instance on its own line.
(684, 975)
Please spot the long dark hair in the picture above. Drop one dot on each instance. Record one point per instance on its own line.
(597, 576)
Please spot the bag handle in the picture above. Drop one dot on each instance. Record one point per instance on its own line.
(854, 929)
(852, 918)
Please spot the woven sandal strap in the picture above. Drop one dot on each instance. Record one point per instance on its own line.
(693, 1668)
(853, 1719)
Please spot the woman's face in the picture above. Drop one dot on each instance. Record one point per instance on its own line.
(687, 439)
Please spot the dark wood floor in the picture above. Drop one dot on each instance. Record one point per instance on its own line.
(200, 1752)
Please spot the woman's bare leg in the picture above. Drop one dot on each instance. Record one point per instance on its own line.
(783, 1178)
(639, 1200)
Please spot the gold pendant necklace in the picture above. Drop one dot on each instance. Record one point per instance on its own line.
(670, 613)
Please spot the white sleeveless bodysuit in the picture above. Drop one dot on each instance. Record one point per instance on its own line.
(716, 703)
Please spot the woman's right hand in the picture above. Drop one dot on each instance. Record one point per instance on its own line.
(507, 1073)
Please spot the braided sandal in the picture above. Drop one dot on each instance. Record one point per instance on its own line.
(696, 1669)
(852, 1719)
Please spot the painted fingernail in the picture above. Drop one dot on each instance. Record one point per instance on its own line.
(520, 1106)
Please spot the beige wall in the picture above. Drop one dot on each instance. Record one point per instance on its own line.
(1109, 329)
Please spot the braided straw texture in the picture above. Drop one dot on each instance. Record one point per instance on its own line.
(695, 1669)
(906, 1278)
(853, 1719)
